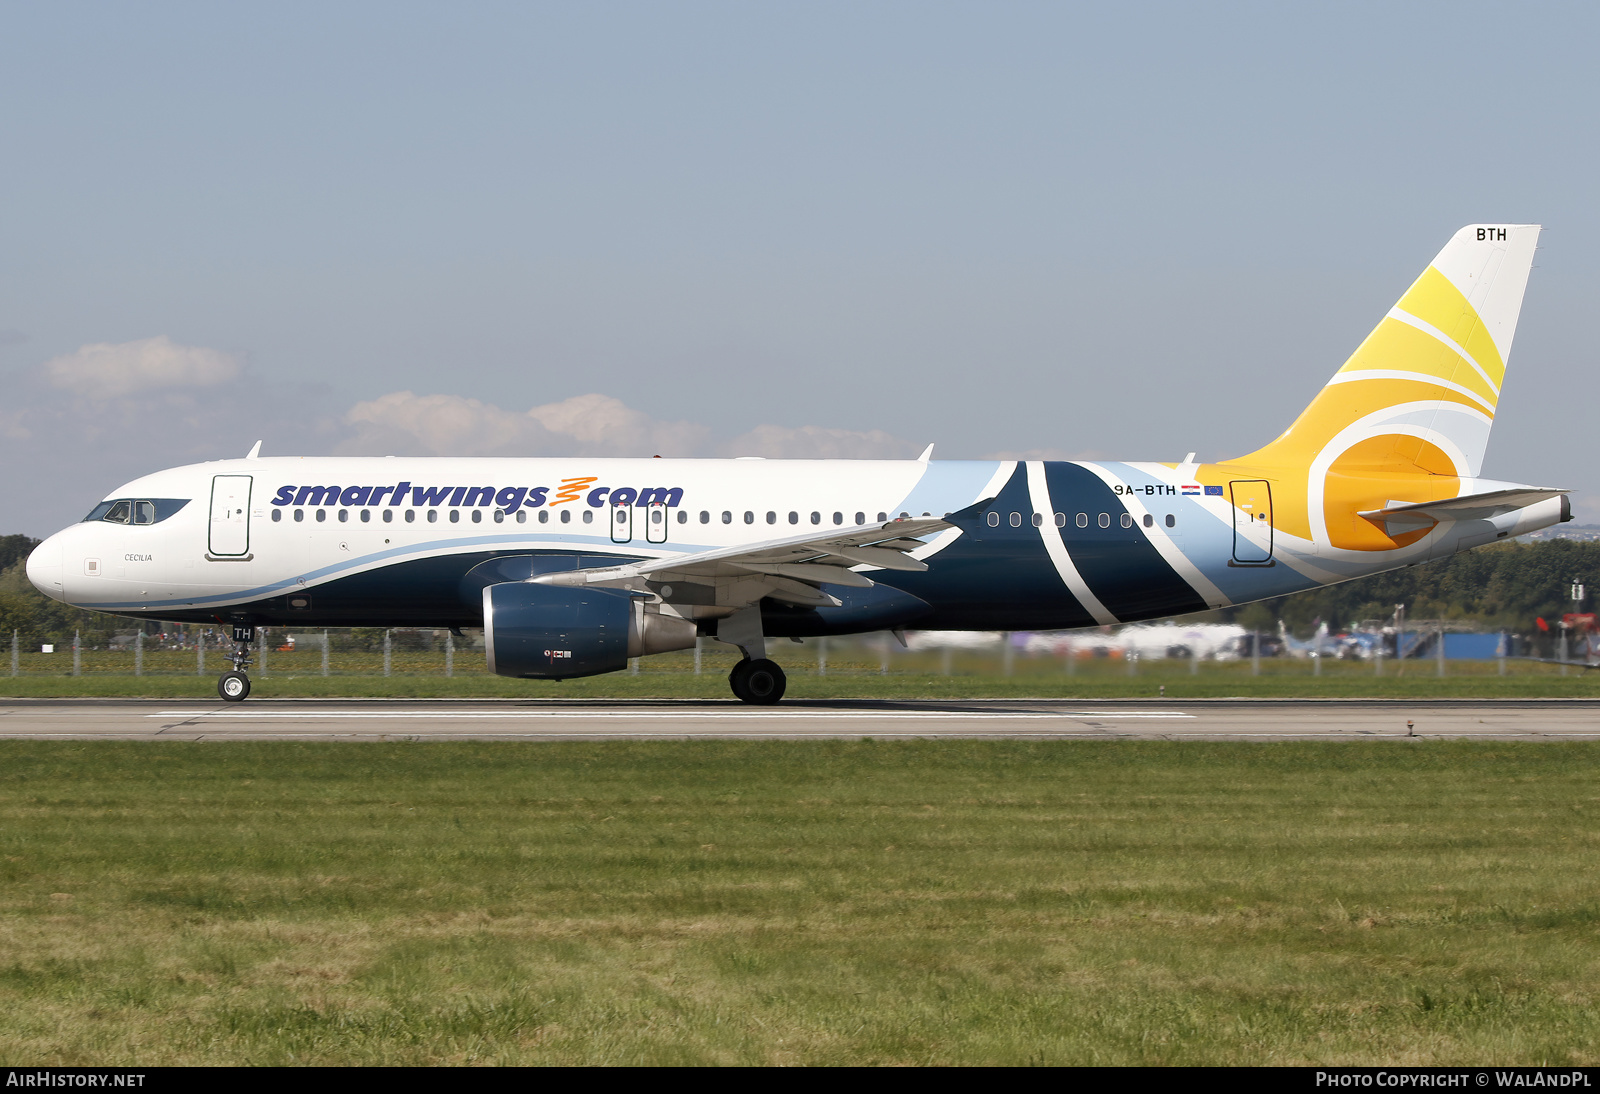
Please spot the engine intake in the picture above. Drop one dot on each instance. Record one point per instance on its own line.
(549, 632)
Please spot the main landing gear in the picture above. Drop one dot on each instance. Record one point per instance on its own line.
(235, 686)
(754, 679)
(758, 680)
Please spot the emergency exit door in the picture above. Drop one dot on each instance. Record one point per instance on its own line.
(656, 517)
(230, 516)
(1252, 522)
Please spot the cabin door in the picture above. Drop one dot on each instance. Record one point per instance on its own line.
(230, 516)
(1252, 522)
(621, 523)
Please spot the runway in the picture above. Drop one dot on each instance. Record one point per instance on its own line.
(585, 720)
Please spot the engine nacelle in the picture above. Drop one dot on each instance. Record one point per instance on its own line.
(552, 632)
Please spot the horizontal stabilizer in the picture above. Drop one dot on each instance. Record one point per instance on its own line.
(1408, 516)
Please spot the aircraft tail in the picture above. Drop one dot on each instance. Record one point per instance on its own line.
(1416, 400)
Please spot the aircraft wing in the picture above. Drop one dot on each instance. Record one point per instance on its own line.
(1409, 516)
(788, 569)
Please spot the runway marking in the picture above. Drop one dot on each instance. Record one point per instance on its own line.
(653, 716)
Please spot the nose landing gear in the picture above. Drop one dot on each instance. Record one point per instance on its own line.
(235, 686)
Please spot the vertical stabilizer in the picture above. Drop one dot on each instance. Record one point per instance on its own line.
(1417, 398)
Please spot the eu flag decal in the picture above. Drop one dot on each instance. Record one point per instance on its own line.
(1213, 491)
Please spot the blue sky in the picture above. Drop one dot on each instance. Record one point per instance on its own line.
(1128, 231)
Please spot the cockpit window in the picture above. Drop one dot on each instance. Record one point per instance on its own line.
(136, 511)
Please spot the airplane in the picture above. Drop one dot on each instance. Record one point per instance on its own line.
(574, 566)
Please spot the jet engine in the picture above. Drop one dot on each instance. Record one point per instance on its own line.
(550, 632)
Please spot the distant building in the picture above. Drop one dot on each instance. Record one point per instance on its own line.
(1585, 532)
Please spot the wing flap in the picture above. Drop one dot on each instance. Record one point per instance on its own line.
(789, 568)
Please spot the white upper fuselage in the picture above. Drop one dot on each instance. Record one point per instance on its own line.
(559, 504)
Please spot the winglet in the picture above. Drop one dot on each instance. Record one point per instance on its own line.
(254, 451)
(927, 454)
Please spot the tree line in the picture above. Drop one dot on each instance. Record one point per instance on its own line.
(1504, 587)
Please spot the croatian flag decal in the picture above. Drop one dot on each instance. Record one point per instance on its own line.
(1213, 491)
(1191, 489)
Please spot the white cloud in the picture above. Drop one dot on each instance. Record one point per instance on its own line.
(604, 426)
(1059, 454)
(815, 442)
(404, 423)
(105, 370)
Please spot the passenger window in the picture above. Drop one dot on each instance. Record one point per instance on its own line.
(794, 518)
(388, 516)
(299, 514)
(433, 516)
(366, 516)
(749, 517)
(655, 516)
(838, 518)
(683, 517)
(277, 515)
(772, 518)
(544, 516)
(1105, 520)
(1083, 520)
(861, 518)
(883, 516)
(1127, 520)
(705, 517)
(1038, 520)
(1016, 520)
(455, 516)
(903, 516)
(1172, 521)
(499, 516)
(1149, 521)
(816, 518)
(727, 517)
(522, 516)
(477, 516)
(566, 516)
(1061, 520)
(344, 516)
(994, 520)
(588, 516)
(411, 516)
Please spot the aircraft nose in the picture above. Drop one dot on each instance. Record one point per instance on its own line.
(45, 568)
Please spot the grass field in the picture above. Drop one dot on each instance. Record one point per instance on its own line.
(811, 902)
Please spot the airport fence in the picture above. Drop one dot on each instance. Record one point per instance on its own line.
(422, 653)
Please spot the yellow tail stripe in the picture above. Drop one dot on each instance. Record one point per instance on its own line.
(1403, 347)
(1344, 377)
(1436, 301)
